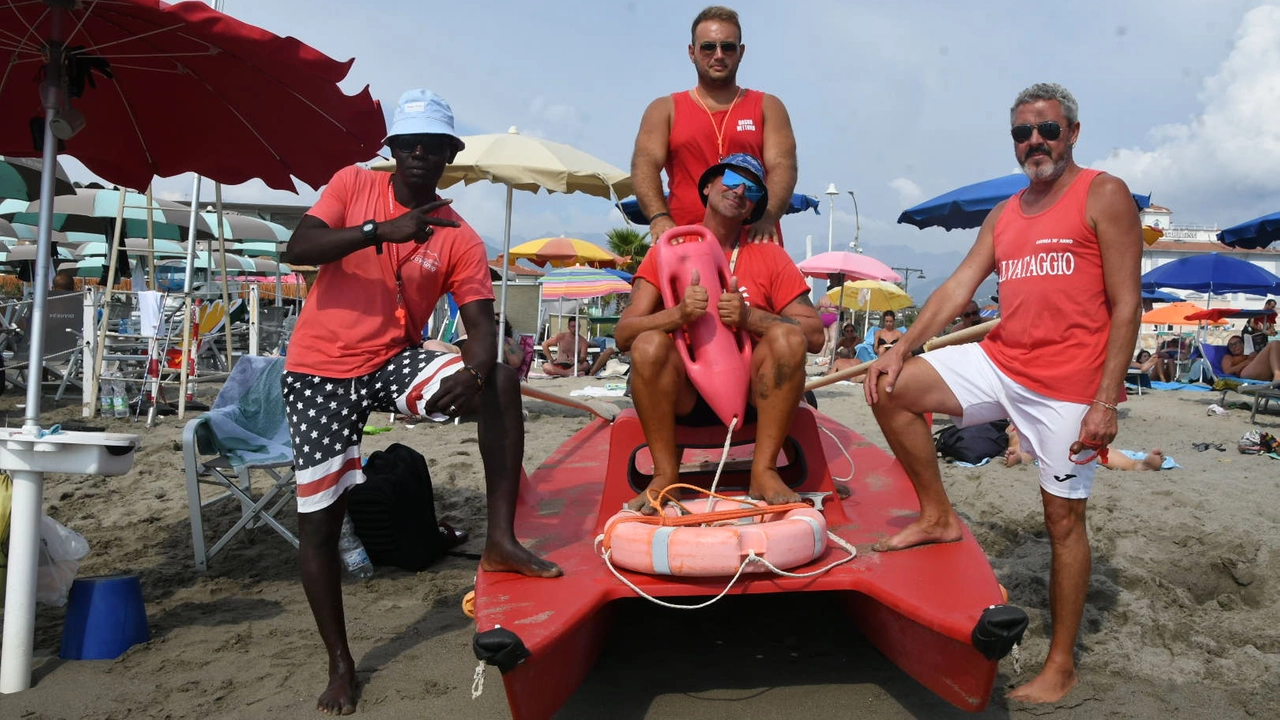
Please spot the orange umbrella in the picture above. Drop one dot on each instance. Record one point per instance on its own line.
(1176, 314)
(1151, 234)
(564, 252)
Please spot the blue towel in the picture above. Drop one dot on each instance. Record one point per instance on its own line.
(1168, 463)
(248, 419)
(1180, 386)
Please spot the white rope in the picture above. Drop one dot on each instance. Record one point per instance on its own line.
(477, 681)
(853, 552)
(724, 456)
(1016, 655)
(843, 451)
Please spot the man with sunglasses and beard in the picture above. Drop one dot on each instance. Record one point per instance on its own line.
(767, 296)
(971, 316)
(388, 247)
(1068, 251)
(686, 132)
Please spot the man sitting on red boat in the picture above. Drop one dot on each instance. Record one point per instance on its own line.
(771, 303)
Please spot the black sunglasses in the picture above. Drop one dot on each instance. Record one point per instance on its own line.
(1049, 130)
(728, 47)
(969, 314)
(433, 145)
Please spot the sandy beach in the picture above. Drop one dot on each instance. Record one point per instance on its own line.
(1183, 616)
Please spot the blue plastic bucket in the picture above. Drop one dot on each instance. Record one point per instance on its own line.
(105, 617)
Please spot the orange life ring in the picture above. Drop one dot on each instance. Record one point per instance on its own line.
(716, 358)
(679, 544)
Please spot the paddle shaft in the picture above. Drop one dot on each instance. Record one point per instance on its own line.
(567, 402)
(959, 337)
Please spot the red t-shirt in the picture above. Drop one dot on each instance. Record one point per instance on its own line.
(692, 147)
(1055, 314)
(767, 276)
(348, 326)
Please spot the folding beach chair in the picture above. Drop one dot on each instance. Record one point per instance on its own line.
(64, 322)
(1207, 363)
(245, 431)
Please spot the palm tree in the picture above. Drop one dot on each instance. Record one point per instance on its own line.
(629, 242)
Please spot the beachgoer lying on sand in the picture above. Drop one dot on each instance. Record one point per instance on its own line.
(1262, 365)
(781, 320)
(356, 350)
(1014, 455)
(560, 362)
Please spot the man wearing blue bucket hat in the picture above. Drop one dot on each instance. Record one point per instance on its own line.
(388, 247)
(767, 296)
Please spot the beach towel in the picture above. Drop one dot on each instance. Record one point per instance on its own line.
(1168, 463)
(1179, 386)
(609, 390)
(247, 420)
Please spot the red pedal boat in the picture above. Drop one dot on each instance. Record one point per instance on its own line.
(923, 608)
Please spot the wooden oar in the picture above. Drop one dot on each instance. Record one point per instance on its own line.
(959, 337)
(600, 409)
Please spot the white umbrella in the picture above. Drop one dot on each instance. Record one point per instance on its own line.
(524, 162)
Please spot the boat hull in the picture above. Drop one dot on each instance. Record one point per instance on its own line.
(918, 607)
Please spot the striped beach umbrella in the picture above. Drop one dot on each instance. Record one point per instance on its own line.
(579, 282)
(244, 227)
(563, 252)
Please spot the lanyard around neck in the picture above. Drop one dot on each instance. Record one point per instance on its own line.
(718, 128)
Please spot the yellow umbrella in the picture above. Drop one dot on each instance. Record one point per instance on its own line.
(875, 295)
(1151, 234)
(563, 252)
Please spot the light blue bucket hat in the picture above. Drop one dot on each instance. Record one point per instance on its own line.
(420, 112)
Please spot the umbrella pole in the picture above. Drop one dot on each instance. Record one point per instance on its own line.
(575, 338)
(100, 347)
(151, 242)
(222, 256)
(840, 324)
(506, 262)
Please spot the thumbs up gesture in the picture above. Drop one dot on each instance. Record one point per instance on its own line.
(694, 303)
(732, 307)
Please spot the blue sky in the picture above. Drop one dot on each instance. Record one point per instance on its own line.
(896, 101)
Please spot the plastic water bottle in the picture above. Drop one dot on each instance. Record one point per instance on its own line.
(351, 550)
(119, 398)
(106, 403)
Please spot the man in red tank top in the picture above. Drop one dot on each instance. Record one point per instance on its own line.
(1068, 251)
(768, 297)
(687, 132)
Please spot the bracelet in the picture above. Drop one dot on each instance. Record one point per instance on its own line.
(1108, 406)
(655, 216)
(479, 378)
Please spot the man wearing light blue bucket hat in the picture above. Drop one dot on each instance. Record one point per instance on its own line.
(388, 247)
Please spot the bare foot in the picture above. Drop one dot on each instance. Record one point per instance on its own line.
(511, 556)
(767, 485)
(1049, 686)
(1154, 460)
(640, 503)
(1012, 457)
(922, 532)
(340, 697)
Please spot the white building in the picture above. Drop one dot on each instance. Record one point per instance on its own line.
(1179, 241)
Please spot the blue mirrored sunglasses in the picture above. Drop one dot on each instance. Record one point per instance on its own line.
(733, 181)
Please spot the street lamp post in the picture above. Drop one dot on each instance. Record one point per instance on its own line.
(906, 275)
(832, 192)
(857, 225)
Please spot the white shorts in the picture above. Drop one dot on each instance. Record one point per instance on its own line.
(1047, 427)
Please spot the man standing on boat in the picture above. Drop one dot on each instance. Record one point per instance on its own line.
(688, 131)
(1068, 251)
(388, 247)
(771, 302)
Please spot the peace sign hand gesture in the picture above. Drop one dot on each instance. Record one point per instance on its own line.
(417, 225)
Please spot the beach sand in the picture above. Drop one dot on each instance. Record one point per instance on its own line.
(1183, 616)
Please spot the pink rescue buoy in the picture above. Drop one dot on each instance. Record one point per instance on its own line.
(716, 357)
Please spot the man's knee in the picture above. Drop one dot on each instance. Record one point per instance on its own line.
(651, 350)
(1064, 517)
(785, 342)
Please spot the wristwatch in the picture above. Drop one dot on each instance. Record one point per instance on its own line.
(369, 230)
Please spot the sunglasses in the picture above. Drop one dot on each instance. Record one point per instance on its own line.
(432, 145)
(733, 181)
(1049, 130)
(969, 314)
(728, 47)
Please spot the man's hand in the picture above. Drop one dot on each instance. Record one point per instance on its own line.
(763, 230)
(694, 303)
(1097, 429)
(659, 226)
(455, 394)
(889, 365)
(733, 309)
(417, 225)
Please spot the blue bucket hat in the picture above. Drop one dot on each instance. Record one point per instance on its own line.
(743, 164)
(421, 112)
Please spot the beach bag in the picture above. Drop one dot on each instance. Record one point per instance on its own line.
(972, 444)
(394, 510)
(61, 550)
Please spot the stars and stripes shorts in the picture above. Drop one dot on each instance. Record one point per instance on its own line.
(327, 417)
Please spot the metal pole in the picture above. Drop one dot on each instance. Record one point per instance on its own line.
(506, 263)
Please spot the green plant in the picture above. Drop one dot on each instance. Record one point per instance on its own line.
(628, 242)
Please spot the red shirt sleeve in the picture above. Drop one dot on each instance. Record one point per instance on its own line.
(648, 271)
(788, 282)
(331, 208)
(469, 277)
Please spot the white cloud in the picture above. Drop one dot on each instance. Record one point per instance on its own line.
(1220, 166)
(909, 193)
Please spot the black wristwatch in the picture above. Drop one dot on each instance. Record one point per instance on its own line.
(369, 230)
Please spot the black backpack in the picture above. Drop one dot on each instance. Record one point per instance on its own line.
(972, 444)
(394, 510)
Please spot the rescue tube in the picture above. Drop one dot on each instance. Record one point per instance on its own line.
(680, 544)
(716, 358)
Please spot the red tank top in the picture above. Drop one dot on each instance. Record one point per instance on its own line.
(1055, 315)
(693, 146)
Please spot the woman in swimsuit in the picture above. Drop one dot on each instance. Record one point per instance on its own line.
(829, 313)
(888, 333)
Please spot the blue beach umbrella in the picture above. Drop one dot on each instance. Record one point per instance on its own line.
(1160, 296)
(619, 273)
(968, 206)
(1252, 234)
(1212, 273)
(799, 203)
